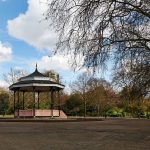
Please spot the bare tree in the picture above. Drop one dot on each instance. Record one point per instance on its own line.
(98, 30)
(81, 86)
(13, 76)
(137, 79)
(102, 94)
(52, 75)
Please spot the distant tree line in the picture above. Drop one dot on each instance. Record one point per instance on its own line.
(96, 97)
(90, 96)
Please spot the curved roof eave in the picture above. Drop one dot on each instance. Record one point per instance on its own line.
(36, 85)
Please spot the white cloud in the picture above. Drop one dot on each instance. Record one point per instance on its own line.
(59, 63)
(5, 52)
(3, 84)
(32, 28)
(56, 62)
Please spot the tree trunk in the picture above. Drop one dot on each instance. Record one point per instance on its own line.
(84, 108)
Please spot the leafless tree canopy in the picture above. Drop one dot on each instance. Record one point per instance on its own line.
(102, 29)
(13, 75)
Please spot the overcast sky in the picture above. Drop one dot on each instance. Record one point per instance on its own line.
(25, 38)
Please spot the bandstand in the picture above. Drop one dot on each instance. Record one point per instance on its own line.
(36, 83)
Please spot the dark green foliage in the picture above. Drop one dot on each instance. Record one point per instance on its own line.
(73, 105)
(4, 98)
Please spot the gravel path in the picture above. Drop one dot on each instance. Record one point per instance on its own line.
(110, 134)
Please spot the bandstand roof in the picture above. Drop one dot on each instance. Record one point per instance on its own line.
(36, 81)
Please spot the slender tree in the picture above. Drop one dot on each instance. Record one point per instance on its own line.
(81, 86)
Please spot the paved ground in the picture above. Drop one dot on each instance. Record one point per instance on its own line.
(112, 134)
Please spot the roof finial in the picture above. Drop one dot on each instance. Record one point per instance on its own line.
(36, 65)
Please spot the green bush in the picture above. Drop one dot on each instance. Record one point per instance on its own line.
(73, 105)
(115, 112)
(4, 97)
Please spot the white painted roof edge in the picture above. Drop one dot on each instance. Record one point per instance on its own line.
(36, 85)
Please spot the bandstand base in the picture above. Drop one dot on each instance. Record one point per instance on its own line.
(40, 113)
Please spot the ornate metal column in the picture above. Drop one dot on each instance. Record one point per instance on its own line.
(14, 103)
(18, 104)
(23, 100)
(38, 100)
(33, 101)
(59, 102)
(52, 101)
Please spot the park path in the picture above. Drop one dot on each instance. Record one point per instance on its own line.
(110, 134)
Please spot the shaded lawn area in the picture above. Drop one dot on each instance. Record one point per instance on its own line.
(6, 116)
(110, 134)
